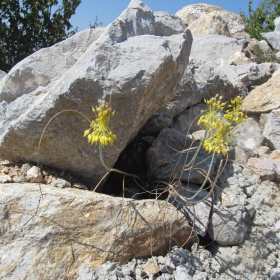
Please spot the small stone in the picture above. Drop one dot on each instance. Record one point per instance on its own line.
(151, 267)
(263, 167)
(19, 179)
(61, 183)
(34, 175)
(80, 186)
(25, 167)
(181, 273)
(262, 151)
(5, 179)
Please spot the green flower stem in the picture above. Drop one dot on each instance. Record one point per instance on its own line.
(197, 151)
(198, 163)
(205, 180)
(102, 158)
(110, 168)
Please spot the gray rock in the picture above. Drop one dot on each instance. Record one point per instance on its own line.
(156, 123)
(226, 226)
(271, 130)
(221, 51)
(60, 183)
(275, 272)
(84, 273)
(248, 135)
(125, 62)
(203, 78)
(197, 210)
(273, 39)
(166, 160)
(277, 24)
(167, 25)
(2, 74)
(181, 273)
(186, 122)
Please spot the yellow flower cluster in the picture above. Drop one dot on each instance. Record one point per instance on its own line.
(233, 114)
(99, 130)
(212, 119)
(220, 125)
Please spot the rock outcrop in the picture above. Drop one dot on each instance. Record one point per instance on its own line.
(142, 64)
(209, 19)
(136, 62)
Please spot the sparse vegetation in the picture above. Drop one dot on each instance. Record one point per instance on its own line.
(261, 19)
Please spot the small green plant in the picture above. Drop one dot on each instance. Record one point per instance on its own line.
(218, 122)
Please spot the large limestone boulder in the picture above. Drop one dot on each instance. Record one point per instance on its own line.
(136, 62)
(209, 19)
(49, 235)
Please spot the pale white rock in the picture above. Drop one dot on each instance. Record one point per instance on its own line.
(2, 74)
(34, 175)
(204, 15)
(5, 179)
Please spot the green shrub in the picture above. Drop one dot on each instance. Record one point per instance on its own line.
(262, 19)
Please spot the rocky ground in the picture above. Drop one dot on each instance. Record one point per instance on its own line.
(251, 202)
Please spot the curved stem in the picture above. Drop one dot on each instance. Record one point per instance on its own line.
(205, 180)
(110, 168)
(197, 151)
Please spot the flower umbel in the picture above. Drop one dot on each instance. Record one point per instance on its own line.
(234, 114)
(99, 130)
(220, 124)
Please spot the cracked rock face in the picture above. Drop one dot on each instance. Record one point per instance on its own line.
(136, 62)
(43, 227)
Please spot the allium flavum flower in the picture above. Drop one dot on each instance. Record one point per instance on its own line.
(220, 125)
(234, 114)
(99, 130)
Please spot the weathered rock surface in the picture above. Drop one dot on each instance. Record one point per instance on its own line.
(169, 154)
(273, 38)
(206, 19)
(228, 226)
(75, 227)
(214, 71)
(140, 73)
(271, 130)
(248, 136)
(2, 74)
(263, 98)
(264, 167)
(196, 209)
